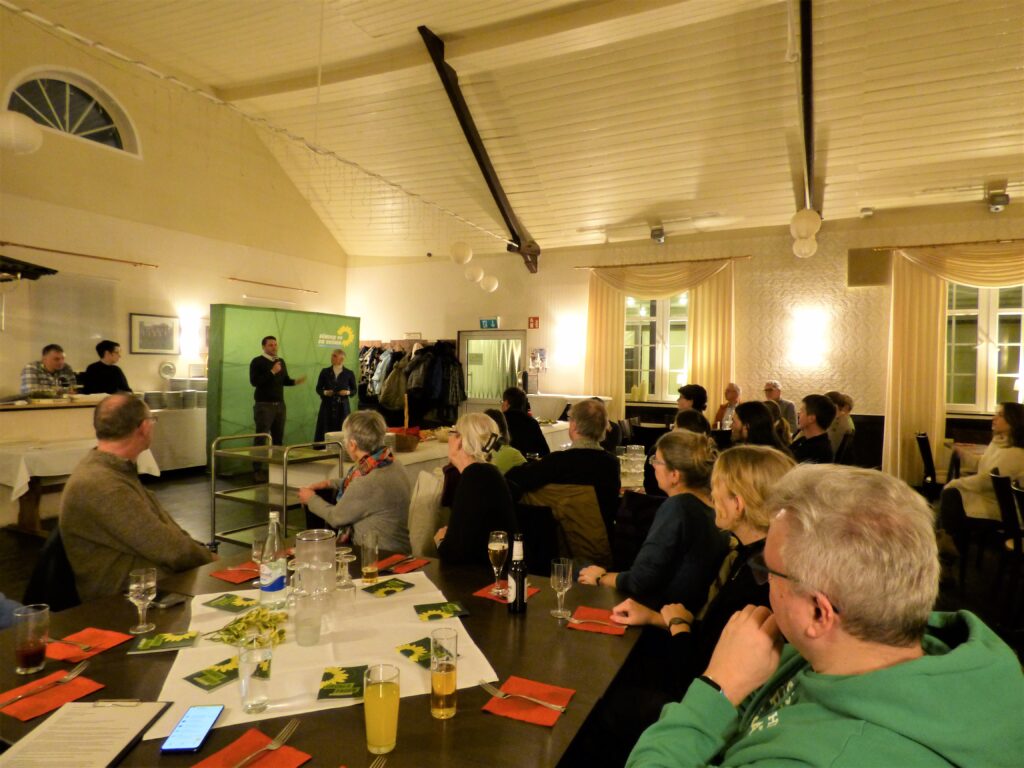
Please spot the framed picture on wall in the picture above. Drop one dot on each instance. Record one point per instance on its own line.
(154, 335)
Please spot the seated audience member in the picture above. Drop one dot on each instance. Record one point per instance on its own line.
(109, 523)
(725, 411)
(683, 549)
(842, 424)
(585, 463)
(782, 427)
(105, 375)
(482, 501)
(814, 417)
(971, 500)
(49, 375)
(870, 676)
(524, 431)
(773, 392)
(7, 607)
(374, 495)
(665, 662)
(504, 456)
(690, 420)
(752, 424)
(692, 396)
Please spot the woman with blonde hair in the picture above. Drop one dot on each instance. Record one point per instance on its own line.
(482, 500)
(662, 671)
(683, 549)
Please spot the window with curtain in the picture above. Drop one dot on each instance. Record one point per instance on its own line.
(656, 342)
(983, 347)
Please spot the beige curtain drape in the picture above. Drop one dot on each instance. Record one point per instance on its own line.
(711, 322)
(915, 386)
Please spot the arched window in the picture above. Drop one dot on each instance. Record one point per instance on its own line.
(73, 107)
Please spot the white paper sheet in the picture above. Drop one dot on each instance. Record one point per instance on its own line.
(82, 735)
(366, 633)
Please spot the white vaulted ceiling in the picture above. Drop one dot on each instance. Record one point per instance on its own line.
(601, 118)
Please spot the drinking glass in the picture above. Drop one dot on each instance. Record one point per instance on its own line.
(369, 553)
(255, 653)
(380, 707)
(257, 554)
(31, 628)
(497, 551)
(444, 654)
(561, 581)
(346, 587)
(142, 592)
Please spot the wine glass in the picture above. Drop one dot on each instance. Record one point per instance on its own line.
(142, 591)
(257, 554)
(497, 551)
(561, 581)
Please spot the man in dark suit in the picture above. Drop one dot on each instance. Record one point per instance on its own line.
(269, 375)
(524, 430)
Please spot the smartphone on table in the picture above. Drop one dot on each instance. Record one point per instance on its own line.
(191, 731)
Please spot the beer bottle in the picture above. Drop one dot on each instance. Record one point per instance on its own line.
(517, 577)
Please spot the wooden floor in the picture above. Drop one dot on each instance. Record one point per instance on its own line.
(186, 495)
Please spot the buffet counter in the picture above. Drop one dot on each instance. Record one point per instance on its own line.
(40, 444)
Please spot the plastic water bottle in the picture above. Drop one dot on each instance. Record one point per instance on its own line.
(274, 568)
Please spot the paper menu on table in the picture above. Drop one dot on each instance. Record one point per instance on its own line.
(84, 735)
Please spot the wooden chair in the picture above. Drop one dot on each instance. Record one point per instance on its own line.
(1013, 547)
(930, 488)
(844, 453)
(1010, 554)
(52, 580)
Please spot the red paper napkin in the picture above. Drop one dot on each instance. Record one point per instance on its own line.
(601, 614)
(245, 745)
(486, 592)
(238, 574)
(100, 640)
(527, 711)
(388, 563)
(48, 700)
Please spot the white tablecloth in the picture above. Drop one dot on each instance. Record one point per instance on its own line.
(19, 462)
(366, 633)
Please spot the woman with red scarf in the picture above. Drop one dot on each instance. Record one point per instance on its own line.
(374, 495)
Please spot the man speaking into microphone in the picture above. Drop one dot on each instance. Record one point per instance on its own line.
(268, 373)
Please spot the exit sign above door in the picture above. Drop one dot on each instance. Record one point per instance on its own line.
(490, 323)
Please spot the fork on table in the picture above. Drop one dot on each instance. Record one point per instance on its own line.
(495, 691)
(277, 742)
(380, 762)
(574, 620)
(81, 646)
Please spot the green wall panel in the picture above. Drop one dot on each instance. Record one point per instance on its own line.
(305, 341)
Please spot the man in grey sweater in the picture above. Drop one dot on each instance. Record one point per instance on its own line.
(110, 524)
(374, 495)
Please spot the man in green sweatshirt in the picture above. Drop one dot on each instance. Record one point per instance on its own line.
(870, 677)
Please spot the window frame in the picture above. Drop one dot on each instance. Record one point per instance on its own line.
(662, 379)
(130, 143)
(988, 345)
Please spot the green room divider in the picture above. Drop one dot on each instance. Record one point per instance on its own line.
(305, 342)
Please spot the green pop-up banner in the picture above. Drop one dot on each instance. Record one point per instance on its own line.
(305, 341)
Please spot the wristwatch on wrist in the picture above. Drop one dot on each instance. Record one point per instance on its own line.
(677, 620)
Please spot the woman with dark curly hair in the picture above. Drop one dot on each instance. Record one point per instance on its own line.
(693, 396)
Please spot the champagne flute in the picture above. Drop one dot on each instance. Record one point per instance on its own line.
(561, 581)
(142, 591)
(497, 551)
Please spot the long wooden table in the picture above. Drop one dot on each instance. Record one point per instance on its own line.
(533, 645)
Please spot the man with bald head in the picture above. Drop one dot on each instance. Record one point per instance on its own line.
(109, 522)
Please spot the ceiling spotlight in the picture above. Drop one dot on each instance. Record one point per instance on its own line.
(658, 235)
